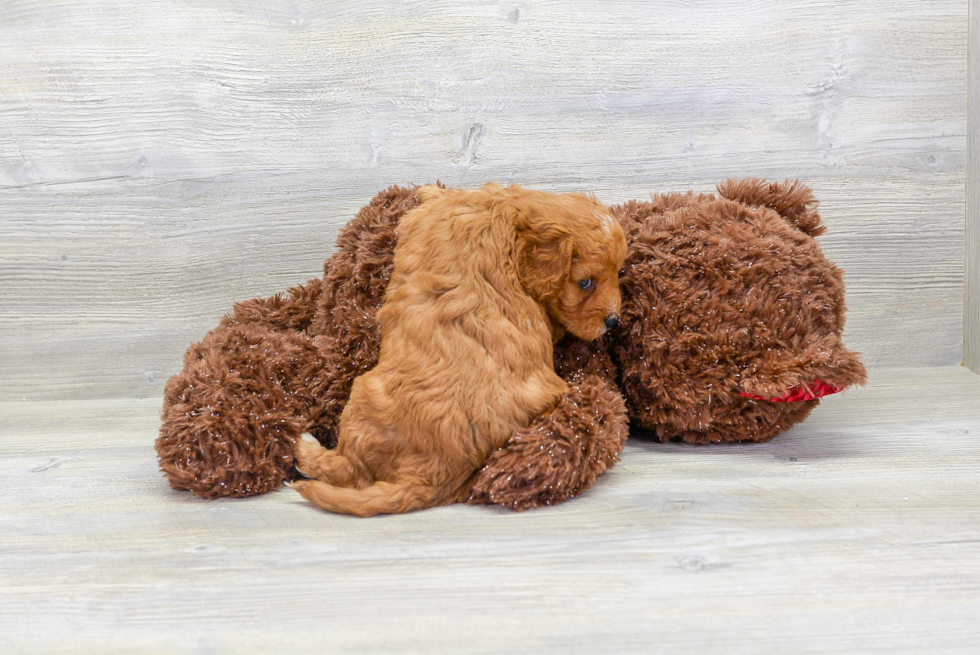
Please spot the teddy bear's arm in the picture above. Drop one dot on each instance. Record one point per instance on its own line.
(561, 454)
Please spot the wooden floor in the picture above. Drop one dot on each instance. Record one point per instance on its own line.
(858, 531)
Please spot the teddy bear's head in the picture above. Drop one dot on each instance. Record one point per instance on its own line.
(732, 316)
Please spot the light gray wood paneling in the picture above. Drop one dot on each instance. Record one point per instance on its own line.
(857, 531)
(161, 160)
(971, 305)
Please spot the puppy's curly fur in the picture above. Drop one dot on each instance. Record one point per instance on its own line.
(483, 280)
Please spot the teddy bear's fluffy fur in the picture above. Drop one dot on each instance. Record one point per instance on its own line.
(727, 299)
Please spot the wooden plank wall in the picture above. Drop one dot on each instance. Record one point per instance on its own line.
(971, 303)
(161, 160)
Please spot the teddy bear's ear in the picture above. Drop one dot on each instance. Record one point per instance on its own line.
(791, 199)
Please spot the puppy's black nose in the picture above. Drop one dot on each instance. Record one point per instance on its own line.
(612, 321)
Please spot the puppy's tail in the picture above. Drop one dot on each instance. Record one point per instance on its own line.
(379, 498)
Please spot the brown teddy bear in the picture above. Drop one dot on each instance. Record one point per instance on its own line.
(730, 330)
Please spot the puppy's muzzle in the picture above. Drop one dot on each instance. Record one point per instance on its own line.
(611, 321)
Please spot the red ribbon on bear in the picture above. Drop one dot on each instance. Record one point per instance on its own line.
(812, 391)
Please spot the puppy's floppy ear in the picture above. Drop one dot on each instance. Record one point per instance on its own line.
(544, 253)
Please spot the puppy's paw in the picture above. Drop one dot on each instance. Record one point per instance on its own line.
(306, 449)
(297, 485)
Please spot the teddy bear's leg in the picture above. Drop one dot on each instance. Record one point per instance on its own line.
(232, 416)
(315, 461)
(279, 366)
(561, 454)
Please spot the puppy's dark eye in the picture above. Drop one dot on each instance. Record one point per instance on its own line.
(585, 285)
